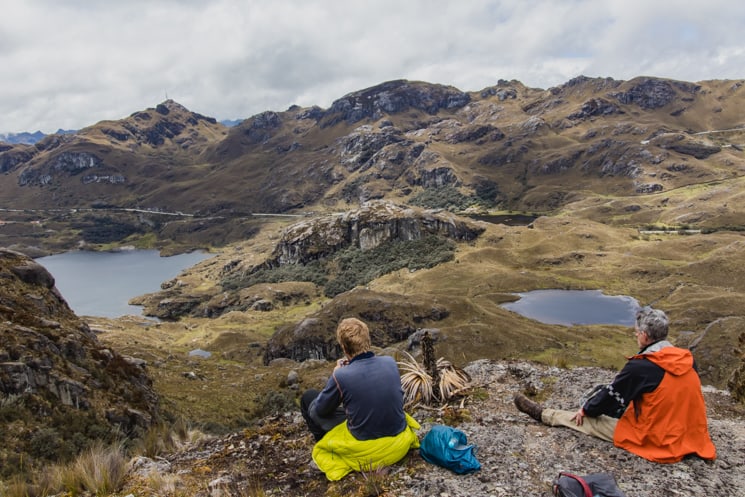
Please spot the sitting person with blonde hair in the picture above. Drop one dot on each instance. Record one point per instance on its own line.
(358, 419)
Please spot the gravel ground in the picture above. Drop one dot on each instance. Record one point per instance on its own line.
(521, 457)
(518, 455)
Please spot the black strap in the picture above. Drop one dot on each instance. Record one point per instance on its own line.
(581, 481)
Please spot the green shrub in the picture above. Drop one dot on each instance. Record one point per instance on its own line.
(106, 229)
(313, 272)
(353, 267)
(486, 194)
(274, 402)
(357, 267)
(48, 444)
(445, 197)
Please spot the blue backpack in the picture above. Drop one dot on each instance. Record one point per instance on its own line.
(448, 447)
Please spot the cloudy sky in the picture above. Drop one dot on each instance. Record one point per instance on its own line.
(71, 63)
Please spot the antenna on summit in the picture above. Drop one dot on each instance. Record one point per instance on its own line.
(166, 95)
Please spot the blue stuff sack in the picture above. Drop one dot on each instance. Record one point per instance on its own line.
(448, 447)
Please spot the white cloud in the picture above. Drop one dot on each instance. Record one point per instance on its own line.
(68, 64)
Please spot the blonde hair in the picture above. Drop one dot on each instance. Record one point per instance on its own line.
(354, 336)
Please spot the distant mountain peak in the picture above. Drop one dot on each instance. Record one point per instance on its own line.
(393, 97)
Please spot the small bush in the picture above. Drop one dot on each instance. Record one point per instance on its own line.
(12, 408)
(48, 444)
(445, 197)
(274, 402)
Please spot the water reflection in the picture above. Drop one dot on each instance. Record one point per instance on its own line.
(570, 307)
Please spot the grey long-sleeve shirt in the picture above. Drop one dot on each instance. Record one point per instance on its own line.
(369, 388)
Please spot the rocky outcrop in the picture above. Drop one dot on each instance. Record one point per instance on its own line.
(167, 123)
(393, 97)
(372, 224)
(686, 145)
(11, 157)
(392, 318)
(480, 134)
(53, 369)
(64, 164)
(650, 93)
(260, 127)
(596, 107)
(357, 150)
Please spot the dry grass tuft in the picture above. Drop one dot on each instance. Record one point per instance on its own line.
(100, 470)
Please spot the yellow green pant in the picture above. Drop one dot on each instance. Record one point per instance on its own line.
(602, 426)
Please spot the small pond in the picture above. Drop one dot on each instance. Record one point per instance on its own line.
(508, 219)
(570, 307)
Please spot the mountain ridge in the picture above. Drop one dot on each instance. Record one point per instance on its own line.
(624, 194)
(508, 134)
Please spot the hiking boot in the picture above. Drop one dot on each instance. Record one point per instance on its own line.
(532, 409)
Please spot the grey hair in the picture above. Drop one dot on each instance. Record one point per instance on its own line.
(653, 322)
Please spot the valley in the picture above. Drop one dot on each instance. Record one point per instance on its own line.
(367, 209)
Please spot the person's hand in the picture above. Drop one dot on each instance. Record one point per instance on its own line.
(579, 416)
(340, 363)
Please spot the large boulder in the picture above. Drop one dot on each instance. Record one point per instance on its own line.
(392, 318)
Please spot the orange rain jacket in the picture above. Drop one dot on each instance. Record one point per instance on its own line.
(668, 423)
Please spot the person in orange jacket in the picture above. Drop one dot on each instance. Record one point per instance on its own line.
(654, 407)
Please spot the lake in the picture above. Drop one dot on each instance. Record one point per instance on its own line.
(101, 283)
(570, 307)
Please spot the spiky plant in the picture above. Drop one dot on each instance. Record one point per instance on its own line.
(453, 380)
(416, 383)
(375, 480)
(419, 387)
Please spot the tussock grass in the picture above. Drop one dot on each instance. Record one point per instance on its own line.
(375, 479)
(162, 484)
(100, 470)
(162, 439)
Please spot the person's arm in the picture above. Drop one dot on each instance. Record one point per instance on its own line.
(329, 398)
(638, 376)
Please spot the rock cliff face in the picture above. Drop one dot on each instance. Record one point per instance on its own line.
(374, 223)
(55, 373)
(66, 163)
(649, 93)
